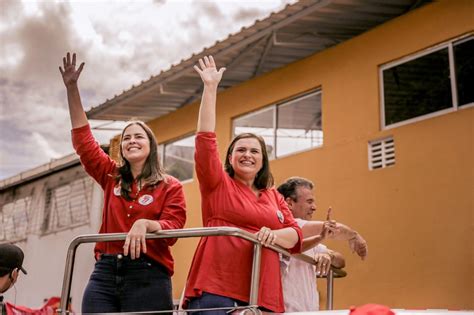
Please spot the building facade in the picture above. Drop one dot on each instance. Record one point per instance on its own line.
(379, 116)
(383, 124)
(41, 211)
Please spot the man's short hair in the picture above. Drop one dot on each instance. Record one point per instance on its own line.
(288, 188)
(11, 258)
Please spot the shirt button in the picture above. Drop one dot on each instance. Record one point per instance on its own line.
(131, 207)
(119, 256)
(128, 215)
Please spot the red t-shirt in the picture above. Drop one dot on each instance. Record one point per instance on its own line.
(223, 265)
(163, 202)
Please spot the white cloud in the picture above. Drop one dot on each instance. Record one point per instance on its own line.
(43, 147)
(122, 43)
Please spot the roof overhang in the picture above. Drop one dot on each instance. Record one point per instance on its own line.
(298, 31)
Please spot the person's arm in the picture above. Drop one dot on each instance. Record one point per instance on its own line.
(311, 242)
(357, 243)
(210, 78)
(70, 77)
(95, 161)
(312, 228)
(314, 232)
(286, 237)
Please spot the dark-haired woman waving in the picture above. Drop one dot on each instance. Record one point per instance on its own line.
(238, 194)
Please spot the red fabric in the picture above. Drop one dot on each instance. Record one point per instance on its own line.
(371, 309)
(222, 265)
(118, 215)
(49, 308)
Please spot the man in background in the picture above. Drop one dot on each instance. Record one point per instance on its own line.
(11, 263)
(298, 277)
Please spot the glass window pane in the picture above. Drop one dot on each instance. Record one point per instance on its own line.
(464, 65)
(299, 125)
(260, 123)
(417, 87)
(179, 158)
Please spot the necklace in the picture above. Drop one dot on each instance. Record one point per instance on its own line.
(139, 188)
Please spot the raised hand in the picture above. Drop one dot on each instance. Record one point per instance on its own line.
(329, 226)
(70, 74)
(208, 71)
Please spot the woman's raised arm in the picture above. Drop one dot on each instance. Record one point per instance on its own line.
(70, 77)
(211, 78)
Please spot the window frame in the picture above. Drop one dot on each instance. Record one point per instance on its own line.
(275, 106)
(88, 185)
(28, 199)
(161, 152)
(454, 96)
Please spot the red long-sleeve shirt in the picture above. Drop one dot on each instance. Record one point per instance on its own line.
(163, 202)
(222, 265)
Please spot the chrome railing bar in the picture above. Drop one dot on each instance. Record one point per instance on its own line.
(183, 233)
(254, 282)
(179, 233)
(329, 290)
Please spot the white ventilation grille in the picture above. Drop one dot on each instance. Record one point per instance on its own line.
(381, 153)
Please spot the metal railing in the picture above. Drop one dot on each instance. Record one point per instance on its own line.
(186, 233)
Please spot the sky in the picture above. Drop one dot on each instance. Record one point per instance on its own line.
(121, 42)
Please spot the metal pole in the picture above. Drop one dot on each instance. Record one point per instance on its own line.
(255, 279)
(330, 287)
(68, 272)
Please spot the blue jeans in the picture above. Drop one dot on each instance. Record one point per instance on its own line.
(208, 300)
(120, 284)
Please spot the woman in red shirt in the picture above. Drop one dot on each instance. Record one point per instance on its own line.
(139, 198)
(241, 195)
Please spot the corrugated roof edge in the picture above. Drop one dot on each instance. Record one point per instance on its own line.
(48, 168)
(143, 84)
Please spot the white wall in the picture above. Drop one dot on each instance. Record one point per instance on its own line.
(45, 255)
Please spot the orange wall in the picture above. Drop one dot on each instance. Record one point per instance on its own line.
(417, 215)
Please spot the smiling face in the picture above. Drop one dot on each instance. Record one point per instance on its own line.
(246, 158)
(135, 144)
(305, 204)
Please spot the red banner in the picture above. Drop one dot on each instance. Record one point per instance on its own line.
(49, 308)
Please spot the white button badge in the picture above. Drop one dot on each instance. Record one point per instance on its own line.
(280, 216)
(117, 191)
(145, 200)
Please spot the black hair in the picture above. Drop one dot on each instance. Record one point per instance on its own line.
(288, 188)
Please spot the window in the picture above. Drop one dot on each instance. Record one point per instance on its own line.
(464, 64)
(261, 123)
(67, 206)
(14, 220)
(430, 82)
(178, 158)
(287, 128)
